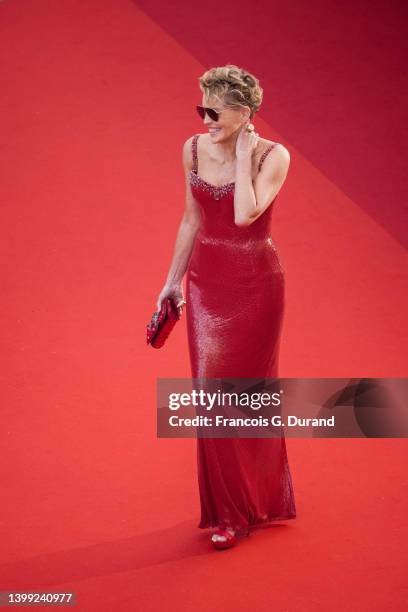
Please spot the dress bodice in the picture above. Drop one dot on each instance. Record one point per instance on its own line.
(217, 206)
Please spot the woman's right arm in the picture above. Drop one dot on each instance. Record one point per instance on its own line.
(189, 226)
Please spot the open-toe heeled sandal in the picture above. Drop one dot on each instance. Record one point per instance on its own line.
(223, 538)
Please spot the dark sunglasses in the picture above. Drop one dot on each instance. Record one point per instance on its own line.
(213, 114)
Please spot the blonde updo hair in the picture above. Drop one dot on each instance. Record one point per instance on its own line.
(233, 86)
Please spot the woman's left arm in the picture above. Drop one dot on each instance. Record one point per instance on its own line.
(252, 199)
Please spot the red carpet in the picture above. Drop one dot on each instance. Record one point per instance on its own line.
(99, 97)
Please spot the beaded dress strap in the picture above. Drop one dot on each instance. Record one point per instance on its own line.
(264, 154)
(195, 156)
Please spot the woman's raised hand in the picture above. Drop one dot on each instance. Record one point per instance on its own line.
(247, 141)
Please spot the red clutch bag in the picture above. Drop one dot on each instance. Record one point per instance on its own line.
(162, 323)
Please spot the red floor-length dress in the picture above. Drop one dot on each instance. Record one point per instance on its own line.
(235, 305)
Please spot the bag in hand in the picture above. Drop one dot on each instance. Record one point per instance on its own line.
(162, 323)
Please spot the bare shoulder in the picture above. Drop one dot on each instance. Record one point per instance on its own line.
(281, 151)
(276, 155)
(187, 153)
(278, 148)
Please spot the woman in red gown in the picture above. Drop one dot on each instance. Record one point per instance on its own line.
(234, 295)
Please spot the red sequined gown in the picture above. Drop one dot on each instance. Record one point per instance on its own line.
(235, 306)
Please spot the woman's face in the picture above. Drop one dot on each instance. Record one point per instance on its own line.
(229, 121)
